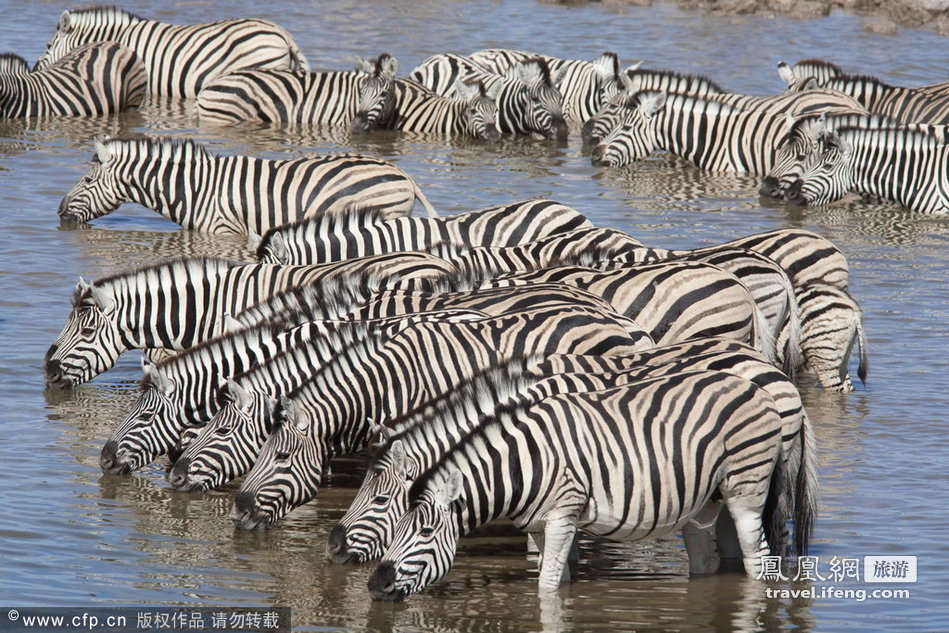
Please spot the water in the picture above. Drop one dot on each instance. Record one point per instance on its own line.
(70, 536)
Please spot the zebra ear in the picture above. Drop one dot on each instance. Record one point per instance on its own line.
(606, 66)
(253, 240)
(652, 103)
(786, 74)
(528, 73)
(364, 65)
(278, 248)
(451, 490)
(229, 323)
(101, 299)
(399, 458)
(153, 376)
(238, 395)
(832, 139)
(789, 122)
(65, 22)
(468, 90)
(102, 152)
(292, 414)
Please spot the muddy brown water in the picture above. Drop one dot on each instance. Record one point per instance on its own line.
(71, 536)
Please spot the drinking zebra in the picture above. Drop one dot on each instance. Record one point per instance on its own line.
(189, 185)
(711, 135)
(365, 232)
(635, 461)
(401, 104)
(178, 303)
(287, 97)
(328, 414)
(94, 79)
(902, 165)
(412, 444)
(524, 103)
(178, 59)
(229, 444)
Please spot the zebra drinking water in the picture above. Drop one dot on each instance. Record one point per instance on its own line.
(178, 59)
(186, 183)
(94, 79)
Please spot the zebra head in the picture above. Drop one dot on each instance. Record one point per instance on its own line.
(794, 152)
(90, 342)
(366, 529)
(636, 136)
(151, 427)
(597, 127)
(76, 28)
(376, 92)
(423, 545)
(287, 473)
(227, 446)
(481, 109)
(829, 176)
(99, 192)
(541, 99)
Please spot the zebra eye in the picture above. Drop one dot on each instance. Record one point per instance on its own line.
(283, 457)
(87, 179)
(88, 331)
(224, 430)
(427, 531)
(146, 415)
(381, 499)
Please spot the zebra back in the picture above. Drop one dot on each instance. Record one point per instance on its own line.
(905, 105)
(94, 79)
(324, 239)
(281, 96)
(13, 64)
(179, 59)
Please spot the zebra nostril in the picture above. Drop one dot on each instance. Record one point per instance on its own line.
(245, 502)
(596, 156)
(382, 582)
(794, 191)
(336, 544)
(109, 460)
(770, 188)
(178, 475)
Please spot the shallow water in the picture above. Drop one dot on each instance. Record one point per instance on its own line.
(70, 536)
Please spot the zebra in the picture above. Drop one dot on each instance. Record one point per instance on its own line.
(13, 64)
(177, 303)
(584, 86)
(639, 79)
(189, 185)
(328, 414)
(401, 104)
(329, 99)
(95, 79)
(230, 442)
(410, 445)
(905, 105)
(635, 461)
(364, 232)
(526, 101)
(905, 166)
(713, 136)
(179, 59)
(808, 72)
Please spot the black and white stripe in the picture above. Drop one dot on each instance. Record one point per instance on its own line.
(636, 461)
(176, 304)
(178, 59)
(202, 191)
(363, 232)
(95, 79)
(328, 414)
(906, 105)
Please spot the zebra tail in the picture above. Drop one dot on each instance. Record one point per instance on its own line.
(298, 61)
(429, 209)
(805, 489)
(794, 356)
(773, 518)
(764, 338)
(864, 366)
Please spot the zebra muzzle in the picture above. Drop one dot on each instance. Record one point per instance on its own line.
(382, 584)
(109, 460)
(770, 188)
(336, 548)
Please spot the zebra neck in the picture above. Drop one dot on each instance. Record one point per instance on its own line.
(185, 194)
(888, 164)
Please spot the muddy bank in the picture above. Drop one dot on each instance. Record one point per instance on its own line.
(882, 16)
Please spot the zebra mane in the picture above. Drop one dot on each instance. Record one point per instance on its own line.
(13, 64)
(204, 353)
(157, 147)
(897, 136)
(692, 103)
(485, 389)
(352, 218)
(110, 14)
(184, 265)
(856, 80)
(683, 83)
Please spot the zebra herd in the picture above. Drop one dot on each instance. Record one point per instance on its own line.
(512, 361)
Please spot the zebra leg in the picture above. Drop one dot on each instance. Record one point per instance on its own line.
(556, 542)
(746, 512)
(701, 539)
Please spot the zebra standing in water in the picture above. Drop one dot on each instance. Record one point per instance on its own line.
(178, 59)
(906, 105)
(411, 444)
(639, 461)
(905, 166)
(282, 96)
(527, 101)
(176, 304)
(95, 79)
(713, 136)
(192, 187)
(365, 232)
(401, 104)
(328, 414)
